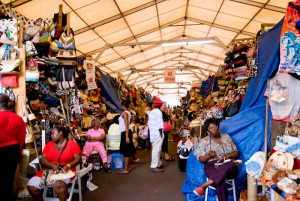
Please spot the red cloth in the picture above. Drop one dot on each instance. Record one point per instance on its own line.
(12, 129)
(67, 156)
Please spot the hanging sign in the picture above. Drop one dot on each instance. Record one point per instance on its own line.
(89, 66)
(170, 76)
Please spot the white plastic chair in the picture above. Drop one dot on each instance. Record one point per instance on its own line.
(230, 183)
(80, 173)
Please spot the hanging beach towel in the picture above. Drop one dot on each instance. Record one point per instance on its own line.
(290, 41)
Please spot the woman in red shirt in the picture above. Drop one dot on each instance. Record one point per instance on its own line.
(60, 155)
(12, 139)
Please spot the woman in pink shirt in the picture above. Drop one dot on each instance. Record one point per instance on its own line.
(94, 142)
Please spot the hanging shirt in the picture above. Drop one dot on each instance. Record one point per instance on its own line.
(287, 103)
(290, 41)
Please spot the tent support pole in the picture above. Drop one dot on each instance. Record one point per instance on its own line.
(266, 138)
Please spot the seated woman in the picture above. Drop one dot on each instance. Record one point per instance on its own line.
(212, 149)
(94, 142)
(60, 155)
(114, 130)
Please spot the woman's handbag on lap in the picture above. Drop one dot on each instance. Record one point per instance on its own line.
(46, 179)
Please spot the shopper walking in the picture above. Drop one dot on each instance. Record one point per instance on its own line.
(166, 131)
(126, 146)
(155, 123)
(12, 139)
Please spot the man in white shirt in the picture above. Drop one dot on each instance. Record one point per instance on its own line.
(155, 123)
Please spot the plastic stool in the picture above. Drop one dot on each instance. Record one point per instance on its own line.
(231, 184)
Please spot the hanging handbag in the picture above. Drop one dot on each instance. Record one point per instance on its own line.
(66, 54)
(31, 64)
(68, 73)
(167, 126)
(66, 42)
(23, 114)
(9, 80)
(45, 36)
(30, 49)
(9, 66)
(30, 114)
(53, 46)
(30, 31)
(32, 75)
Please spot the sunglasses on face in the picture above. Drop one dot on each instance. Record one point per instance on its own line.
(211, 127)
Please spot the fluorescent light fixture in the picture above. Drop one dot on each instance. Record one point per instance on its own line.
(199, 42)
(174, 43)
(188, 42)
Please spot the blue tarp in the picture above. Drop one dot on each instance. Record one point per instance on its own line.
(109, 90)
(247, 127)
(208, 86)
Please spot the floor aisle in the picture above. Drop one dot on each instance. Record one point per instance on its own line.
(141, 184)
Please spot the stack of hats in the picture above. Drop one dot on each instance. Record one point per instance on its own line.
(241, 73)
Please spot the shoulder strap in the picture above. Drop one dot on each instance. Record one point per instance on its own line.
(61, 151)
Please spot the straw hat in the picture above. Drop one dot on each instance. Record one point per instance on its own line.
(290, 160)
(277, 160)
(255, 165)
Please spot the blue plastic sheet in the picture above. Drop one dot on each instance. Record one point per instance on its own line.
(208, 86)
(109, 90)
(246, 128)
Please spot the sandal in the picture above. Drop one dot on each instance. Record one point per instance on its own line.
(123, 172)
(107, 170)
(199, 191)
(137, 161)
(169, 159)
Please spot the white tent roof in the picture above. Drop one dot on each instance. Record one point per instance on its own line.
(104, 27)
